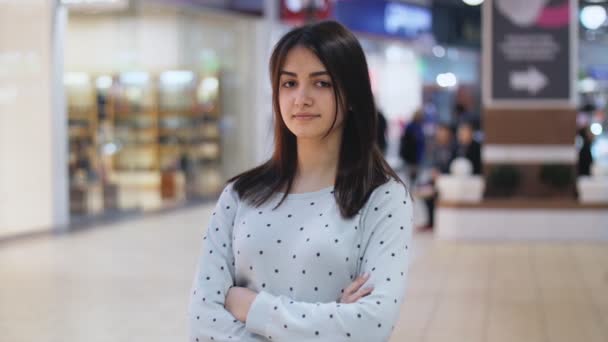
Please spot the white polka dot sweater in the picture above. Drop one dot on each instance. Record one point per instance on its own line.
(299, 258)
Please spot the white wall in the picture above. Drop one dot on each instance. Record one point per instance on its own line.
(110, 44)
(33, 174)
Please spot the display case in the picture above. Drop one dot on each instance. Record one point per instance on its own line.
(106, 141)
(84, 186)
(189, 134)
(139, 141)
(136, 161)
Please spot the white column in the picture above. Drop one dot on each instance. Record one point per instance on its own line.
(266, 37)
(33, 124)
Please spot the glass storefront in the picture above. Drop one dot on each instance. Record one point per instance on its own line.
(141, 141)
(147, 125)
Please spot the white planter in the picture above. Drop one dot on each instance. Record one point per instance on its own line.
(592, 189)
(599, 170)
(468, 189)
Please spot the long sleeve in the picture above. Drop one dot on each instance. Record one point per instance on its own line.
(208, 319)
(387, 223)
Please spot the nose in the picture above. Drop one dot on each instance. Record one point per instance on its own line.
(302, 97)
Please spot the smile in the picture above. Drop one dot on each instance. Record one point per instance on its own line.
(305, 116)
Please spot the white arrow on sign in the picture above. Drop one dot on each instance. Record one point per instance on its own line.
(531, 80)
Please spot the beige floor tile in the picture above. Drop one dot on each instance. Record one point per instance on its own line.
(551, 249)
(549, 279)
(423, 267)
(564, 295)
(462, 318)
(555, 268)
(430, 264)
(451, 337)
(508, 322)
(599, 298)
(466, 284)
(573, 321)
(469, 271)
(403, 336)
(515, 294)
(443, 252)
(604, 321)
(415, 317)
(511, 249)
(594, 275)
(474, 256)
(552, 258)
(424, 285)
(506, 277)
(515, 264)
(590, 253)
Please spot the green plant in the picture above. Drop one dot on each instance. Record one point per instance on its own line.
(504, 179)
(558, 176)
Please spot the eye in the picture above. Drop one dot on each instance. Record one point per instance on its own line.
(288, 84)
(323, 84)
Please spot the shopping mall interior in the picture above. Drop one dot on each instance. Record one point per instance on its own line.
(122, 120)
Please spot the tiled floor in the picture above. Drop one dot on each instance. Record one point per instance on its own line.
(507, 292)
(130, 282)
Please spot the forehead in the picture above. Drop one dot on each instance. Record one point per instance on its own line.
(300, 59)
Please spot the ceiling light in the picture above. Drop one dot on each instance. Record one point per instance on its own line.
(592, 17)
(473, 2)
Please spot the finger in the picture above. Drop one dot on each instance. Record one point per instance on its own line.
(358, 295)
(363, 292)
(355, 285)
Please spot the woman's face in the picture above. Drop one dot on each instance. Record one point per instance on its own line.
(306, 96)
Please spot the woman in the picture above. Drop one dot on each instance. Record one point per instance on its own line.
(313, 244)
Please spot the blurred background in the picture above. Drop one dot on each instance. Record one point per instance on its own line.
(121, 120)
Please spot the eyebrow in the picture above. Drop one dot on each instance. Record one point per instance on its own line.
(312, 74)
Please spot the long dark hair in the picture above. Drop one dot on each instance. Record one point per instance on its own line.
(361, 166)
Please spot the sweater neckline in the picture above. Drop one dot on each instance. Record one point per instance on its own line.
(311, 194)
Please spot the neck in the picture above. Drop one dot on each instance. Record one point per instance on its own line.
(317, 162)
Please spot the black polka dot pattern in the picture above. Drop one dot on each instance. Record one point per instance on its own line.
(333, 252)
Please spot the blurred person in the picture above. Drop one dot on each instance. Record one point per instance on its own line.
(80, 161)
(312, 244)
(468, 148)
(585, 158)
(442, 151)
(382, 126)
(461, 116)
(441, 156)
(412, 145)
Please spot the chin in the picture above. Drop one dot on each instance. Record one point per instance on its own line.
(302, 134)
(305, 131)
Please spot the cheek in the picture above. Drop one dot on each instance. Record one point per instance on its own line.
(331, 108)
(340, 118)
(328, 102)
(284, 104)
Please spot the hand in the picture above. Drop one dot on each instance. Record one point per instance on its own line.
(238, 301)
(354, 292)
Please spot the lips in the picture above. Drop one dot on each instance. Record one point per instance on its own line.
(305, 116)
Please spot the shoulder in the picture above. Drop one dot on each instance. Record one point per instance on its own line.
(389, 205)
(228, 194)
(388, 195)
